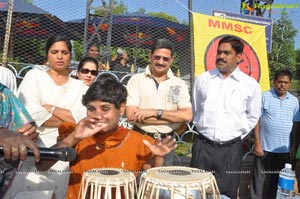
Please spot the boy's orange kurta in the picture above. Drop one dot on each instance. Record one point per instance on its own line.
(122, 149)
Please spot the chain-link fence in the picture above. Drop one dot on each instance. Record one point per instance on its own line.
(131, 26)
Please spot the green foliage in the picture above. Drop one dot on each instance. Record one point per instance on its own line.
(141, 10)
(139, 56)
(78, 46)
(28, 1)
(283, 54)
(34, 53)
(119, 8)
(183, 150)
(295, 85)
(116, 8)
(163, 16)
(8, 58)
(297, 59)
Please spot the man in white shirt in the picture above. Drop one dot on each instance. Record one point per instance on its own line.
(227, 105)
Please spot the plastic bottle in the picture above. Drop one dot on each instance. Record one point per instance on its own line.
(286, 182)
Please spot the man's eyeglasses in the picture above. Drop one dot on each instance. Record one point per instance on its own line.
(157, 58)
(86, 71)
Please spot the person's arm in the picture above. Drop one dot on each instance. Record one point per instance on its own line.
(149, 116)
(15, 145)
(295, 132)
(258, 150)
(294, 139)
(36, 91)
(87, 127)
(30, 93)
(254, 107)
(59, 114)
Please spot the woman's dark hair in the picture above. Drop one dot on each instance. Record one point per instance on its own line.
(85, 60)
(108, 89)
(57, 38)
(235, 43)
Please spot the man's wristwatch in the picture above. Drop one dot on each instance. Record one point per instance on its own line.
(159, 113)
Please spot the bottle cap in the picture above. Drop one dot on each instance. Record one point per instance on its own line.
(288, 166)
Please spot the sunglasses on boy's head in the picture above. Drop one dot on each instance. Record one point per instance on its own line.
(86, 71)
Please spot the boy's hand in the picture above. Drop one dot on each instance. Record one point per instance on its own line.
(161, 147)
(89, 126)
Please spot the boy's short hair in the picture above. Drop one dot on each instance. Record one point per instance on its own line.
(106, 89)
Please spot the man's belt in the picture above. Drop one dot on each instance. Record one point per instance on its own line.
(219, 143)
(155, 135)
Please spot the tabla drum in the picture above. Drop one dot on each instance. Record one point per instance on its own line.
(177, 183)
(107, 183)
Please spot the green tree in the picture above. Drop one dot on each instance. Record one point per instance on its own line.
(283, 53)
(141, 10)
(163, 15)
(116, 8)
(296, 76)
(119, 8)
(297, 59)
(28, 1)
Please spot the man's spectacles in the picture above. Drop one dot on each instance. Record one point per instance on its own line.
(157, 58)
(86, 71)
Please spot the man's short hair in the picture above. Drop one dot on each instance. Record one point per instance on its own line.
(235, 43)
(163, 43)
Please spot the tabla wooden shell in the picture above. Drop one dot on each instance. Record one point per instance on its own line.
(107, 183)
(177, 182)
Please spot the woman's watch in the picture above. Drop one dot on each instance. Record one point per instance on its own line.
(159, 113)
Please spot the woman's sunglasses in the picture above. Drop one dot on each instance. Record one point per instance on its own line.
(86, 71)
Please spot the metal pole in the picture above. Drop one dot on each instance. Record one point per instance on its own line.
(109, 33)
(7, 32)
(190, 5)
(86, 25)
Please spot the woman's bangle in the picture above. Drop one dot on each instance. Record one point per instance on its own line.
(52, 109)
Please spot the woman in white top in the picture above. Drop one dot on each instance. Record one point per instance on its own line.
(51, 97)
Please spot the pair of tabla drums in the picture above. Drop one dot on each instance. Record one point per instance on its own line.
(157, 183)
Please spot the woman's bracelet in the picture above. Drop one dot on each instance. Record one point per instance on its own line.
(52, 109)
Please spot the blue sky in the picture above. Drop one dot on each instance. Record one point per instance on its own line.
(75, 9)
